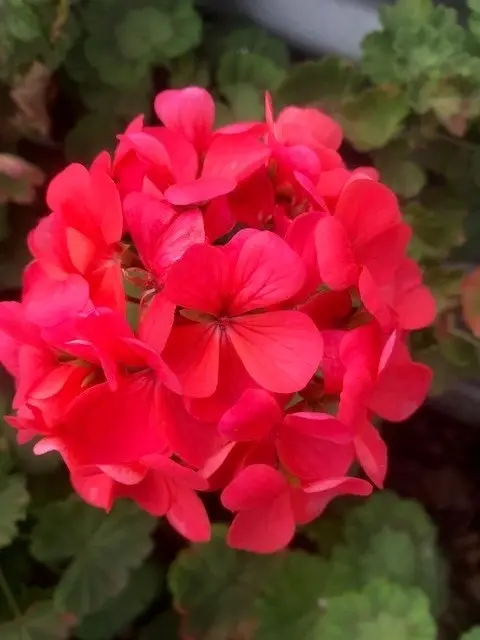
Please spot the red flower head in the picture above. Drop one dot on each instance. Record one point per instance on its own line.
(222, 310)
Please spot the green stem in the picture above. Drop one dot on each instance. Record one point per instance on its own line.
(10, 598)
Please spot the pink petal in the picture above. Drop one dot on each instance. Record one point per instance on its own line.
(68, 187)
(281, 350)
(147, 218)
(176, 472)
(234, 156)
(96, 489)
(254, 414)
(202, 190)
(65, 298)
(125, 473)
(188, 515)
(382, 254)
(105, 207)
(199, 281)
(265, 530)
(332, 367)
(371, 453)
(193, 352)
(152, 494)
(315, 445)
(183, 156)
(311, 500)
(265, 272)
(116, 427)
(336, 261)
(301, 237)
(218, 219)
(254, 488)
(156, 322)
(190, 111)
(400, 389)
(307, 126)
(192, 439)
(253, 200)
(183, 232)
(106, 286)
(377, 300)
(365, 209)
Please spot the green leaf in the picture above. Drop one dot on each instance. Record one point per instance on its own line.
(248, 68)
(420, 42)
(387, 527)
(473, 634)
(142, 31)
(445, 283)
(189, 70)
(437, 225)
(119, 612)
(14, 500)
(246, 102)
(324, 83)
(445, 374)
(166, 626)
(90, 134)
(292, 603)
(405, 177)
(216, 587)
(254, 39)
(103, 550)
(381, 610)
(372, 118)
(40, 622)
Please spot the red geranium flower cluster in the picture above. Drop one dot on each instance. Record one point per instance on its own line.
(218, 310)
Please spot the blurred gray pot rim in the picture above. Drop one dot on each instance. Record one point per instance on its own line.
(314, 26)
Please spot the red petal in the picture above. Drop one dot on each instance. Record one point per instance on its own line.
(332, 367)
(202, 190)
(192, 439)
(264, 530)
(382, 254)
(401, 386)
(178, 473)
(315, 445)
(105, 207)
(151, 494)
(281, 350)
(156, 322)
(199, 281)
(96, 489)
(253, 488)
(193, 352)
(310, 127)
(301, 237)
(218, 219)
(365, 209)
(266, 271)
(254, 414)
(188, 515)
(116, 427)
(66, 298)
(183, 155)
(371, 452)
(310, 501)
(190, 111)
(234, 156)
(377, 300)
(336, 262)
